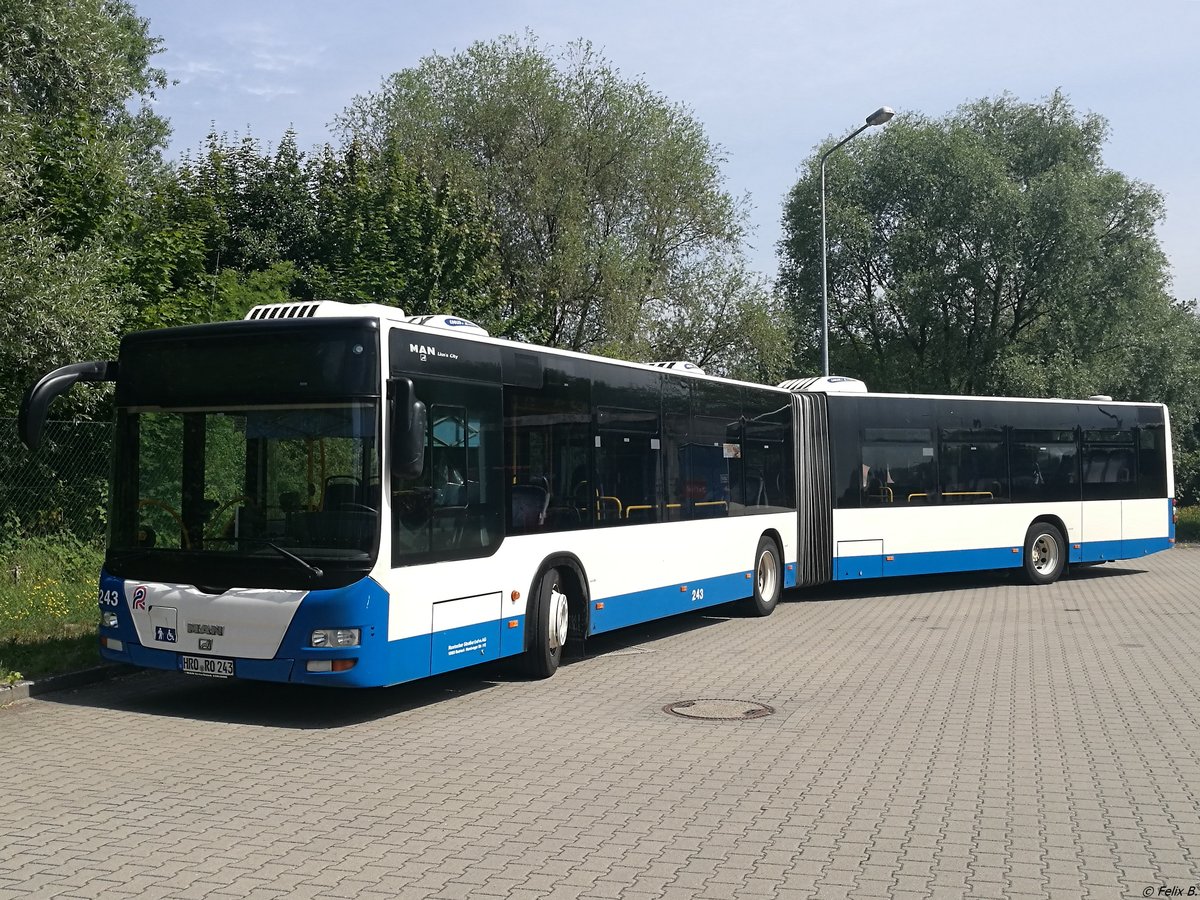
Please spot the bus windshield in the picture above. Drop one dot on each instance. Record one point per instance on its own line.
(276, 494)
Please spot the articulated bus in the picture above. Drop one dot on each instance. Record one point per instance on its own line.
(340, 494)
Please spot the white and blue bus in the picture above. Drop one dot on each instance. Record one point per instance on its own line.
(339, 494)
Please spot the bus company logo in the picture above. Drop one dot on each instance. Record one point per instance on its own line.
(201, 628)
(139, 597)
(427, 350)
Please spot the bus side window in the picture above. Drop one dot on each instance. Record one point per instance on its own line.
(901, 467)
(1043, 465)
(627, 465)
(452, 509)
(547, 442)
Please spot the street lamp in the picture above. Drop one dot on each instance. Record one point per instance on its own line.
(881, 115)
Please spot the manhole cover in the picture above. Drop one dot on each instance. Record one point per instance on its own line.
(719, 710)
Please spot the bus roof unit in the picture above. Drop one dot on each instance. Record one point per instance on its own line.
(828, 384)
(325, 309)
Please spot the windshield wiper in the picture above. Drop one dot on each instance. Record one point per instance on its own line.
(312, 570)
(315, 571)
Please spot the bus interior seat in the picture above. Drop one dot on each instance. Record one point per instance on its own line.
(1097, 462)
(1120, 466)
(340, 491)
(529, 505)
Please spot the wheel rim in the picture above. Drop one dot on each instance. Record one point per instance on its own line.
(768, 575)
(1045, 554)
(558, 618)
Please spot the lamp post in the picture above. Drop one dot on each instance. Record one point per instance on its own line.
(881, 115)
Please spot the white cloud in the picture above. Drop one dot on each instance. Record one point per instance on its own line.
(269, 91)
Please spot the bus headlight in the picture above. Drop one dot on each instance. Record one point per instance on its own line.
(335, 637)
(108, 619)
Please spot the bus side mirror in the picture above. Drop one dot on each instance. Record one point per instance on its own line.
(36, 403)
(409, 421)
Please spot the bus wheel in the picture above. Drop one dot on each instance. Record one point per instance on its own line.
(1045, 553)
(549, 634)
(768, 579)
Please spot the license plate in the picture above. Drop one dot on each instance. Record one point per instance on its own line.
(206, 665)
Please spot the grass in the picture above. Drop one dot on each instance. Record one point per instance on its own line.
(1188, 529)
(47, 606)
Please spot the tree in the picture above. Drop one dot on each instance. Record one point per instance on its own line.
(239, 224)
(388, 232)
(604, 195)
(990, 252)
(78, 142)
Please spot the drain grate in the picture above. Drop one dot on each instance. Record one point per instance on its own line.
(715, 710)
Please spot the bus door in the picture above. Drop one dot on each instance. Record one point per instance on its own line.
(1109, 474)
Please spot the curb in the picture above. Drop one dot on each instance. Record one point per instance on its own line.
(23, 690)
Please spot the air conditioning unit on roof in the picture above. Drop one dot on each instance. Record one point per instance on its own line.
(325, 309)
(681, 365)
(827, 384)
(448, 323)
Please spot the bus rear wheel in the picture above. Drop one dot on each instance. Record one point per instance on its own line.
(768, 579)
(1045, 553)
(549, 626)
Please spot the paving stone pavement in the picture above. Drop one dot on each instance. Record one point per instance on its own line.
(961, 736)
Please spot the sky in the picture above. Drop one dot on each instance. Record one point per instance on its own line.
(768, 80)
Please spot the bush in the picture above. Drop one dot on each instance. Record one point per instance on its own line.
(1188, 529)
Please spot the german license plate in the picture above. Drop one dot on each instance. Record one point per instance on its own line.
(206, 665)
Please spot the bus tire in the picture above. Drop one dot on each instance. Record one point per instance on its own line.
(1045, 553)
(549, 626)
(767, 579)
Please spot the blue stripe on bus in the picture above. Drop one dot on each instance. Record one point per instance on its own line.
(852, 568)
(457, 648)
(1096, 551)
(657, 603)
(512, 640)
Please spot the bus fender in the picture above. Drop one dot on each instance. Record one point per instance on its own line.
(578, 600)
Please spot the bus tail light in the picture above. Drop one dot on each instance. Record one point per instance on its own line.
(112, 644)
(108, 619)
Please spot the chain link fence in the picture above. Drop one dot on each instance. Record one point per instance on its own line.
(62, 487)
